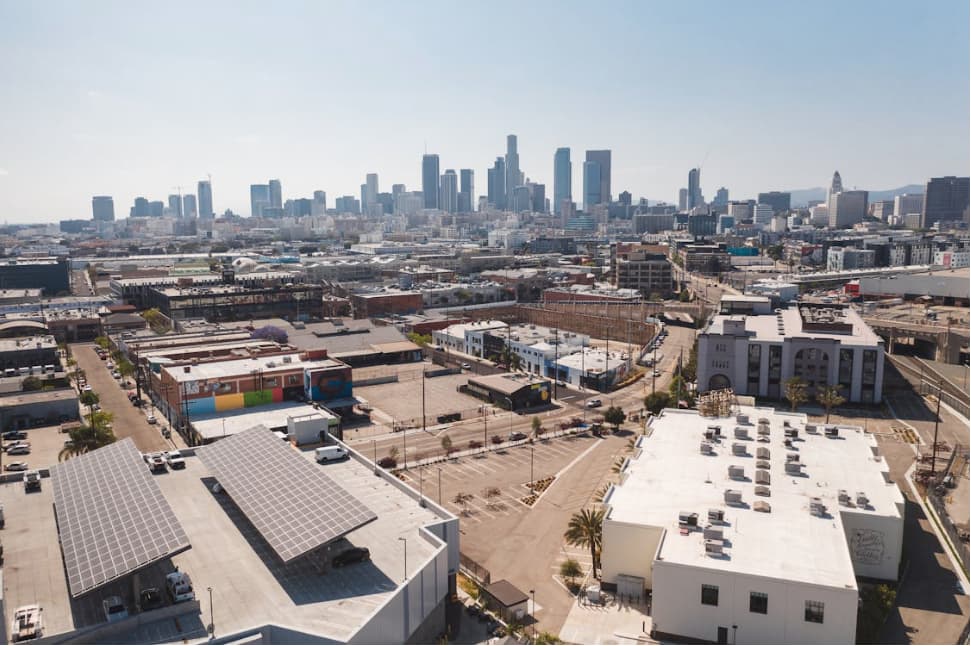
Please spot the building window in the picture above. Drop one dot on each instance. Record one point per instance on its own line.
(709, 595)
(758, 602)
(814, 611)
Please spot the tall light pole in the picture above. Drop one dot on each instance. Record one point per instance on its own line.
(402, 538)
(531, 469)
(439, 486)
(212, 620)
(533, 612)
(937, 421)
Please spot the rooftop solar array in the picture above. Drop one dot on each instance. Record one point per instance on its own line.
(291, 502)
(111, 516)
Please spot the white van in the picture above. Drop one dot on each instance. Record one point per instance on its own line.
(330, 453)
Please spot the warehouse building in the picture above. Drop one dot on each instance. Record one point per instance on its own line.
(753, 528)
(513, 391)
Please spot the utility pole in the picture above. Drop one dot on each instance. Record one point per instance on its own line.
(423, 398)
(937, 421)
(654, 372)
(556, 357)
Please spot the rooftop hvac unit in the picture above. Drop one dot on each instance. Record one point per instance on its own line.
(762, 464)
(762, 490)
(861, 499)
(788, 443)
(741, 418)
(816, 507)
(688, 519)
(811, 428)
(763, 453)
(714, 533)
(794, 468)
(706, 449)
(709, 434)
(763, 429)
(716, 515)
(832, 431)
(287, 359)
(792, 433)
(739, 449)
(713, 548)
(763, 421)
(741, 433)
(715, 430)
(792, 457)
(844, 497)
(733, 497)
(763, 506)
(762, 477)
(736, 472)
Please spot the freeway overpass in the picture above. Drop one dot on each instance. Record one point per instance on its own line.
(937, 342)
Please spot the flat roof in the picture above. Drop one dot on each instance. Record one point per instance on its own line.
(507, 383)
(592, 360)
(235, 367)
(212, 426)
(766, 327)
(669, 475)
(27, 343)
(37, 397)
(459, 329)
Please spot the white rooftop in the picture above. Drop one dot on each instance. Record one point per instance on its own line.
(216, 425)
(592, 360)
(669, 475)
(459, 329)
(220, 369)
(766, 327)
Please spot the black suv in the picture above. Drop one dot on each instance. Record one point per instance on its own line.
(351, 556)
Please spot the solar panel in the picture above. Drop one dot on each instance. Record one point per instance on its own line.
(294, 506)
(111, 516)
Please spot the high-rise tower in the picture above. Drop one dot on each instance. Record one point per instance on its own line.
(562, 179)
(429, 180)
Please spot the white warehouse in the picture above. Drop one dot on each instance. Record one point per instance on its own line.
(752, 528)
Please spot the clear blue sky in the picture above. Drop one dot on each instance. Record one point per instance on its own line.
(135, 98)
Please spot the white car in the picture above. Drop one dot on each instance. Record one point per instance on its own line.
(16, 466)
(179, 586)
(19, 449)
(467, 366)
(116, 374)
(150, 418)
(175, 460)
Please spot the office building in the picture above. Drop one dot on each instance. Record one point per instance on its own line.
(835, 186)
(562, 179)
(945, 200)
(645, 268)
(466, 189)
(370, 190)
(204, 190)
(602, 159)
(537, 197)
(319, 207)
(695, 198)
(512, 167)
(908, 203)
(448, 192)
(726, 223)
(683, 199)
(844, 258)
(592, 185)
(520, 200)
(140, 209)
(741, 210)
(103, 208)
(702, 225)
(751, 527)
(156, 208)
(819, 215)
(882, 210)
(259, 199)
(780, 201)
(349, 204)
(721, 198)
(497, 184)
(276, 194)
(652, 222)
(175, 206)
(189, 209)
(429, 180)
(755, 350)
(762, 214)
(49, 274)
(847, 208)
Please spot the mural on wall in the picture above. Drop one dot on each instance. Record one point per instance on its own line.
(867, 546)
(327, 385)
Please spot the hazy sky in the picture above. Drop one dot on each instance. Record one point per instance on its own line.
(136, 98)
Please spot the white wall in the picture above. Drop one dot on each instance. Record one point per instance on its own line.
(874, 542)
(678, 609)
(628, 549)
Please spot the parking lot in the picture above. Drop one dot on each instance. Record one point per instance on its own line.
(402, 400)
(46, 443)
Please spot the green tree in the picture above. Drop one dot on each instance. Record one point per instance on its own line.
(515, 363)
(547, 638)
(585, 529)
(615, 416)
(796, 392)
(424, 340)
(829, 397)
(690, 369)
(447, 444)
(89, 398)
(102, 342)
(657, 401)
(31, 383)
(101, 420)
(679, 388)
(85, 438)
(125, 367)
(570, 571)
(774, 252)
(684, 296)
(156, 320)
(537, 424)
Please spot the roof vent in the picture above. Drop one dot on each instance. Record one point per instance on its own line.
(733, 497)
(794, 468)
(816, 507)
(844, 498)
(687, 519)
(716, 515)
(811, 428)
(742, 418)
(741, 433)
(762, 477)
(763, 506)
(706, 449)
(713, 548)
(762, 464)
(736, 472)
(762, 490)
(792, 433)
(763, 453)
(714, 533)
(739, 449)
(832, 431)
(862, 500)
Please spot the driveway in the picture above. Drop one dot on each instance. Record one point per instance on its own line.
(129, 421)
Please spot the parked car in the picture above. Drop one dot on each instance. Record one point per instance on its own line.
(15, 435)
(178, 585)
(28, 623)
(16, 466)
(467, 366)
(114, 609)
(149, 599)
(109, 365)
(175, 460)
(116, 374)
(594, 403)
(31, 480)
(657, 373)
(20, 448)
(351, 556)
(516, 435)
(150, 418)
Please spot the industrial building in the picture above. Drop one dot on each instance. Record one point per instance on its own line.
(754, 350)
(513, 391)
(50, 274)
(32, 353)
(237, 302)
(752, 528)
(28, 409)
(645, 268)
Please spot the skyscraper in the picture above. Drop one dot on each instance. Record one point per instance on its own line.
(778, 200)
(537, 197)
(448, 198)
(103, 208)
(512, 167)
(140, 210)
(371, 189)
(562, 178)
(945, 198)
(467, 186)
(259, 199)
(695, 197)
(592, 184)
(175, 205)
(602, 158)
(204, 190)
(721, 197)
(497, 187)
(836, 186)
(189, 209)
(319, 207)
(683, 199)
(847, 208)
(276, 194)
(429, 180)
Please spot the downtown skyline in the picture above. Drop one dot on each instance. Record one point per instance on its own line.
(93, 110)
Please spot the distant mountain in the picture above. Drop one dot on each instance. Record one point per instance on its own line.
(801, 197)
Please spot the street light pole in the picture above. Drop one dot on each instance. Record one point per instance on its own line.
(531, 469)
(212, 620)
(533, 612)
(439, 485)
(401, 538)
(937, 421)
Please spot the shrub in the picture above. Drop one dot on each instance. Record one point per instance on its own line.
(387, 462)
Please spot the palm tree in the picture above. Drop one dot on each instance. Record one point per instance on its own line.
(585, 529)
(84, 439)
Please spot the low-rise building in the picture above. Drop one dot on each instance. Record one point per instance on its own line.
(755, 351)
(752, 528)
(593, 368)
(645, 268)
(513, 391)
(238, 302)
(28, 354)
(381, 301)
